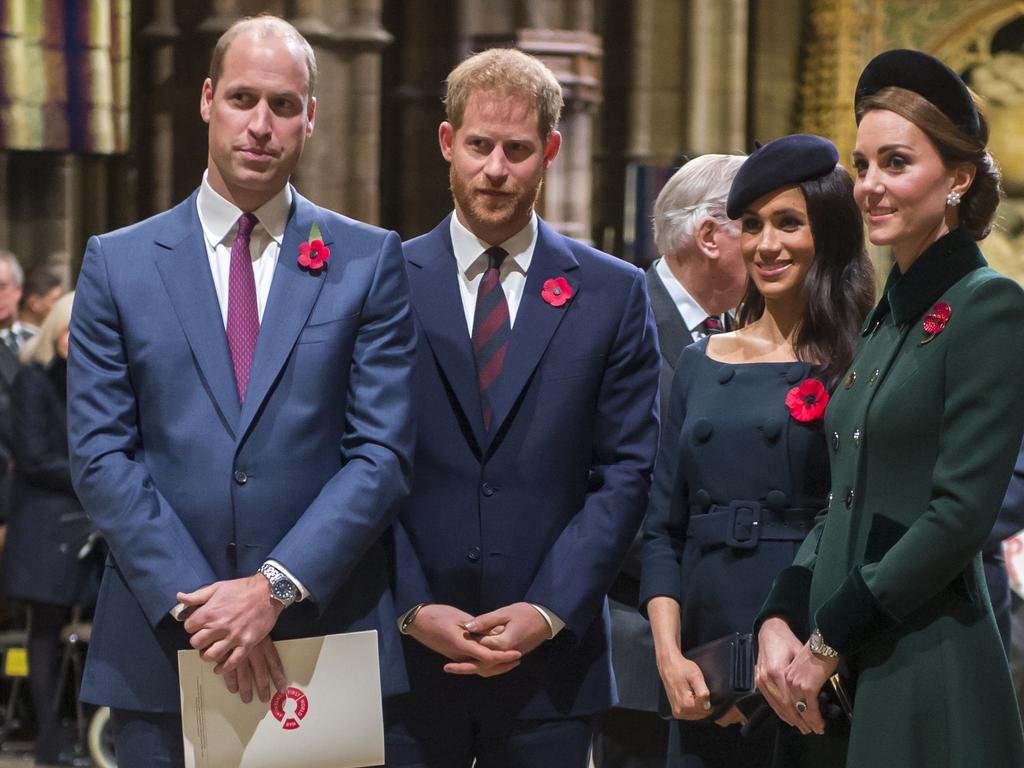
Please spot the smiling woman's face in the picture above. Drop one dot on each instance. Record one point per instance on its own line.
(901, 183)
(777, 244)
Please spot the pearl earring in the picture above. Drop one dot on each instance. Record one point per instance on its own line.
(953, 198)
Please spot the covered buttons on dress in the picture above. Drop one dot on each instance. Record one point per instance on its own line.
(702, 429)
(772, 429)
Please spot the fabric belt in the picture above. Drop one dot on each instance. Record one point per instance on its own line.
(744, 524)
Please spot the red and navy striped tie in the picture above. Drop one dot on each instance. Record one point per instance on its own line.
(491, 330)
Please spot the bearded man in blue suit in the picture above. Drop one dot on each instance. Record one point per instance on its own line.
(535, 393)
(238, 412)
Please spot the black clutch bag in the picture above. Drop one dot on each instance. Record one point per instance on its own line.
(728, 667)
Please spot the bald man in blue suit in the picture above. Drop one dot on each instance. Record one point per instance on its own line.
(238, 412)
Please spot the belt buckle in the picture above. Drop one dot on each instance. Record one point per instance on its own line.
(735, 508)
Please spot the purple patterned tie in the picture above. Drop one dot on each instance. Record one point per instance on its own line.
(491, 329)
(243, 316)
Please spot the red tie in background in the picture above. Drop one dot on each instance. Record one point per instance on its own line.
(491, 329)
(711, 326)
(243, 316)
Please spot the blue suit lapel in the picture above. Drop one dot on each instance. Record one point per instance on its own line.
(433, 278)
(536, 320)
(185, 271)
(293, 292)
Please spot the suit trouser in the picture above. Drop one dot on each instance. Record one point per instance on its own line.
(147, 739)
(423, 733)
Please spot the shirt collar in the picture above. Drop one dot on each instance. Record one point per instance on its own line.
(469, 248)
(218, 216)
(693, 314)
(939, 267)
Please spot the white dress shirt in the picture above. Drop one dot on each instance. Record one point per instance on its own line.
(469, 255)
(219, 219)
(693, 314)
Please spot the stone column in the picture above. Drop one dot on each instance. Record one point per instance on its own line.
(159, 39)
(718, 76)
(341, 165)
(657, 123)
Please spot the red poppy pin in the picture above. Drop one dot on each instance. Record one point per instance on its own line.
(556, 291)
(807, 400)
(935, 321)
(313, 254)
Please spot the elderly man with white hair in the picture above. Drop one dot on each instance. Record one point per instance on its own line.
(698, 279)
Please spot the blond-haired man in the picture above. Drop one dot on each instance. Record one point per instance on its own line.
(535, 392)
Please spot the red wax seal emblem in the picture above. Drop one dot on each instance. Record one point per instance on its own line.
(289, 707)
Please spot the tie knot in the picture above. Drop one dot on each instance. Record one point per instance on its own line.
(711, 326)
(495, 256)
(246, 222)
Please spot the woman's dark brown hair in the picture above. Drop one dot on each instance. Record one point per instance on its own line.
(840, 285)
(954, 145)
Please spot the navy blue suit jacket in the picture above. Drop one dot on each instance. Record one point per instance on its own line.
(543, 508)
(189, 487)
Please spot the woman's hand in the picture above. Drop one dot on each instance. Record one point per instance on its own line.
(684, 684)
(683, 680)
(805, 677)
(732, 717)
(777, 648)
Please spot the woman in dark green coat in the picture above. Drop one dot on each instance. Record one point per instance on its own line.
(923, 434)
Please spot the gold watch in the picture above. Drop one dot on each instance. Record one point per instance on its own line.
(820, 648)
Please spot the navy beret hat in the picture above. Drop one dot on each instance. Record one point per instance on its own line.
(781, 163)
(926, 76)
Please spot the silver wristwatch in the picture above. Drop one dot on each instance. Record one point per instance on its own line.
(281, 587)
(820, 648)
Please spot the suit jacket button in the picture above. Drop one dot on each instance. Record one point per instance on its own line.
(240, 477)
(487, 489)
(849, 499)
(473, 555)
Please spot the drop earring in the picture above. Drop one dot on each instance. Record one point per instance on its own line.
(953, 198)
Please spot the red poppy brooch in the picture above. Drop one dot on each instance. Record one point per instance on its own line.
(556, 291)
(313, 254)
(807, 400)
(935, 321)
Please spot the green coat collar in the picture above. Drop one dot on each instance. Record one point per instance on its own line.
(941, 266)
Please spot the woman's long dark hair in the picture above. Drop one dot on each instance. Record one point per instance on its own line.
(840, 285)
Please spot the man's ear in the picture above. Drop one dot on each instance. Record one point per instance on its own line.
(206, 100)
(446, 138)
(310, 116)
(705, 235)
(551, 148)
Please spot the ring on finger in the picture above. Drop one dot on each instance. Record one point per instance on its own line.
(801, 706)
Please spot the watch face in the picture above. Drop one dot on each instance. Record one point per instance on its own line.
(283, 589)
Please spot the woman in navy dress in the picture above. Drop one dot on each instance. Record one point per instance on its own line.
(743, 466)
